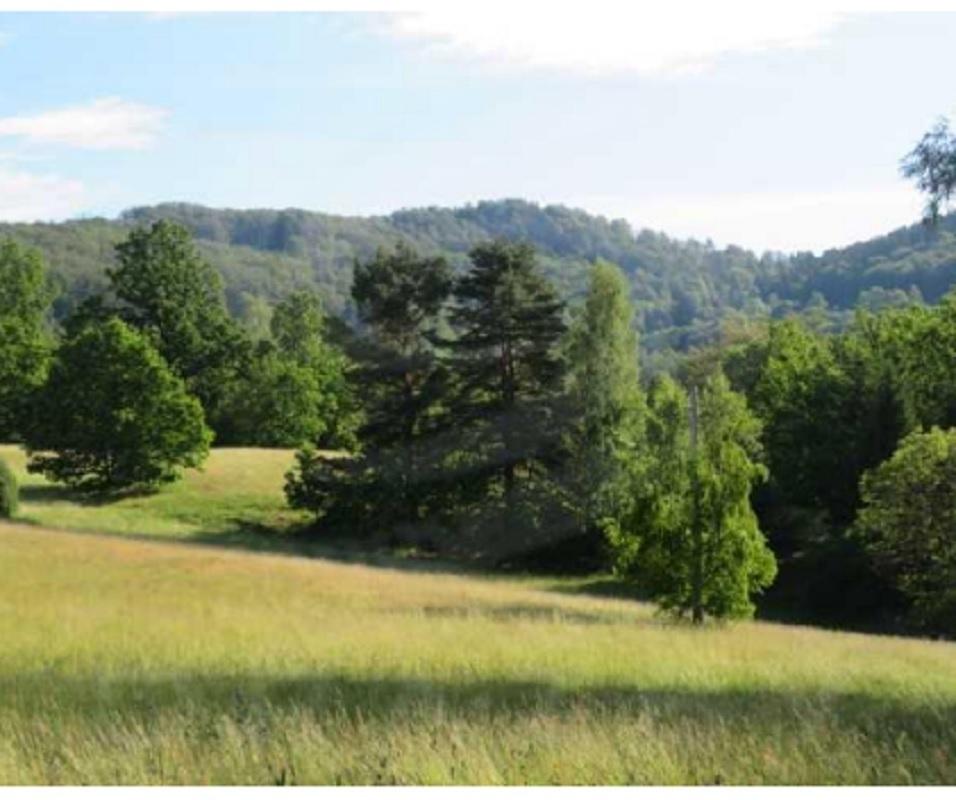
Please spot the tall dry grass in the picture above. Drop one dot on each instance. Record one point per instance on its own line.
(134, 662)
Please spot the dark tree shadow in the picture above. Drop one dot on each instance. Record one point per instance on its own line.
(880, 722)
(58, 493)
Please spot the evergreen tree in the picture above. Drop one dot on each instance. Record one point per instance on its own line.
(24, 343)
(508, 319)
(113, 415)
(605, 399)
(399, 296)
(692, 539)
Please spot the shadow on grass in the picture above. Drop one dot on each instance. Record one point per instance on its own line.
(596, 586)
(55, 493)
(389, 696)
(527, 612)
(875, 723)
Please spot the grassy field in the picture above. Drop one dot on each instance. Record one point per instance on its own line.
(131, 661)
(237, 494)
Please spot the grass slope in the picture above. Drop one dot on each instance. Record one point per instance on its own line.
(237, 493)
(126, 661)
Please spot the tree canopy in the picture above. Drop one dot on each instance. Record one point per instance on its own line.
(24, 341)
(112, 415)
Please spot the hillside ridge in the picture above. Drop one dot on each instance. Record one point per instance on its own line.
(682, 289)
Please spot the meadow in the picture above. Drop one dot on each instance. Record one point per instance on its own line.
(237, 493)
(125, 660)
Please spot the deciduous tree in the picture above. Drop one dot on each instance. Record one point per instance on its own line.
(605, 399)
(908, 524)
(692, 539)
(113, 415)
(24, 342)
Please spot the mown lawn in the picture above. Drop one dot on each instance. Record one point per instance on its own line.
(126, 661)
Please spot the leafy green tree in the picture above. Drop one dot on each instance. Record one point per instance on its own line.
(692, 539)
(804, 399)
(830, 408)
(605, 398)
(24, 342)
(343, 492)
(509, 322)
(932, 165)
(400, 294)
(300, 330)
(908, 524)
(112, 414)
(171, 294)
(295, 390)
(925, 340)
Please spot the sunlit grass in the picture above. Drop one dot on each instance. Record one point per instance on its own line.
(146, 662)
(238, 491)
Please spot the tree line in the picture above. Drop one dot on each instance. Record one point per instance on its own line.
(682, 290)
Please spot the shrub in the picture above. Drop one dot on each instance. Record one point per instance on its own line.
(9, 492)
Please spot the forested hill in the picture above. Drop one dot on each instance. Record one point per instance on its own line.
(681, 288)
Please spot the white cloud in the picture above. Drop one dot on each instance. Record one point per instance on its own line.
(648, 38)
(109, 123)
(25, 197)
(779, 221)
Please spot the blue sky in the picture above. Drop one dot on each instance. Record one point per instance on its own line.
(782, 132)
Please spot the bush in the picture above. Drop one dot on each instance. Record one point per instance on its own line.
(9, 492)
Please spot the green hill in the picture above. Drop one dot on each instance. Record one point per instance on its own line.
(682, 288)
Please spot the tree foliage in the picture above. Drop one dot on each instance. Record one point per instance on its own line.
(294, 388)
(112, 415)
(24, 341)
(932, 166)
(605, 399)
(692, 540)
(908, 524)
(508, 322)
(167, 291)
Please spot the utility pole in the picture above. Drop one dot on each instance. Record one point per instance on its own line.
(697, 534)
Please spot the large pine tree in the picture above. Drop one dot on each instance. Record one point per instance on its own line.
(400, 295)
(509, 321)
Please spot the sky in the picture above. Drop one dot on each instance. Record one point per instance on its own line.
(777, 130)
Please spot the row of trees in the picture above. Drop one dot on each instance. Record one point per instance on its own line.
(495, 429)
(853, 426)
(485, 424)
(141, 378)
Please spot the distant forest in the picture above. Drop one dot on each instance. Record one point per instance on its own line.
(682, 290)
